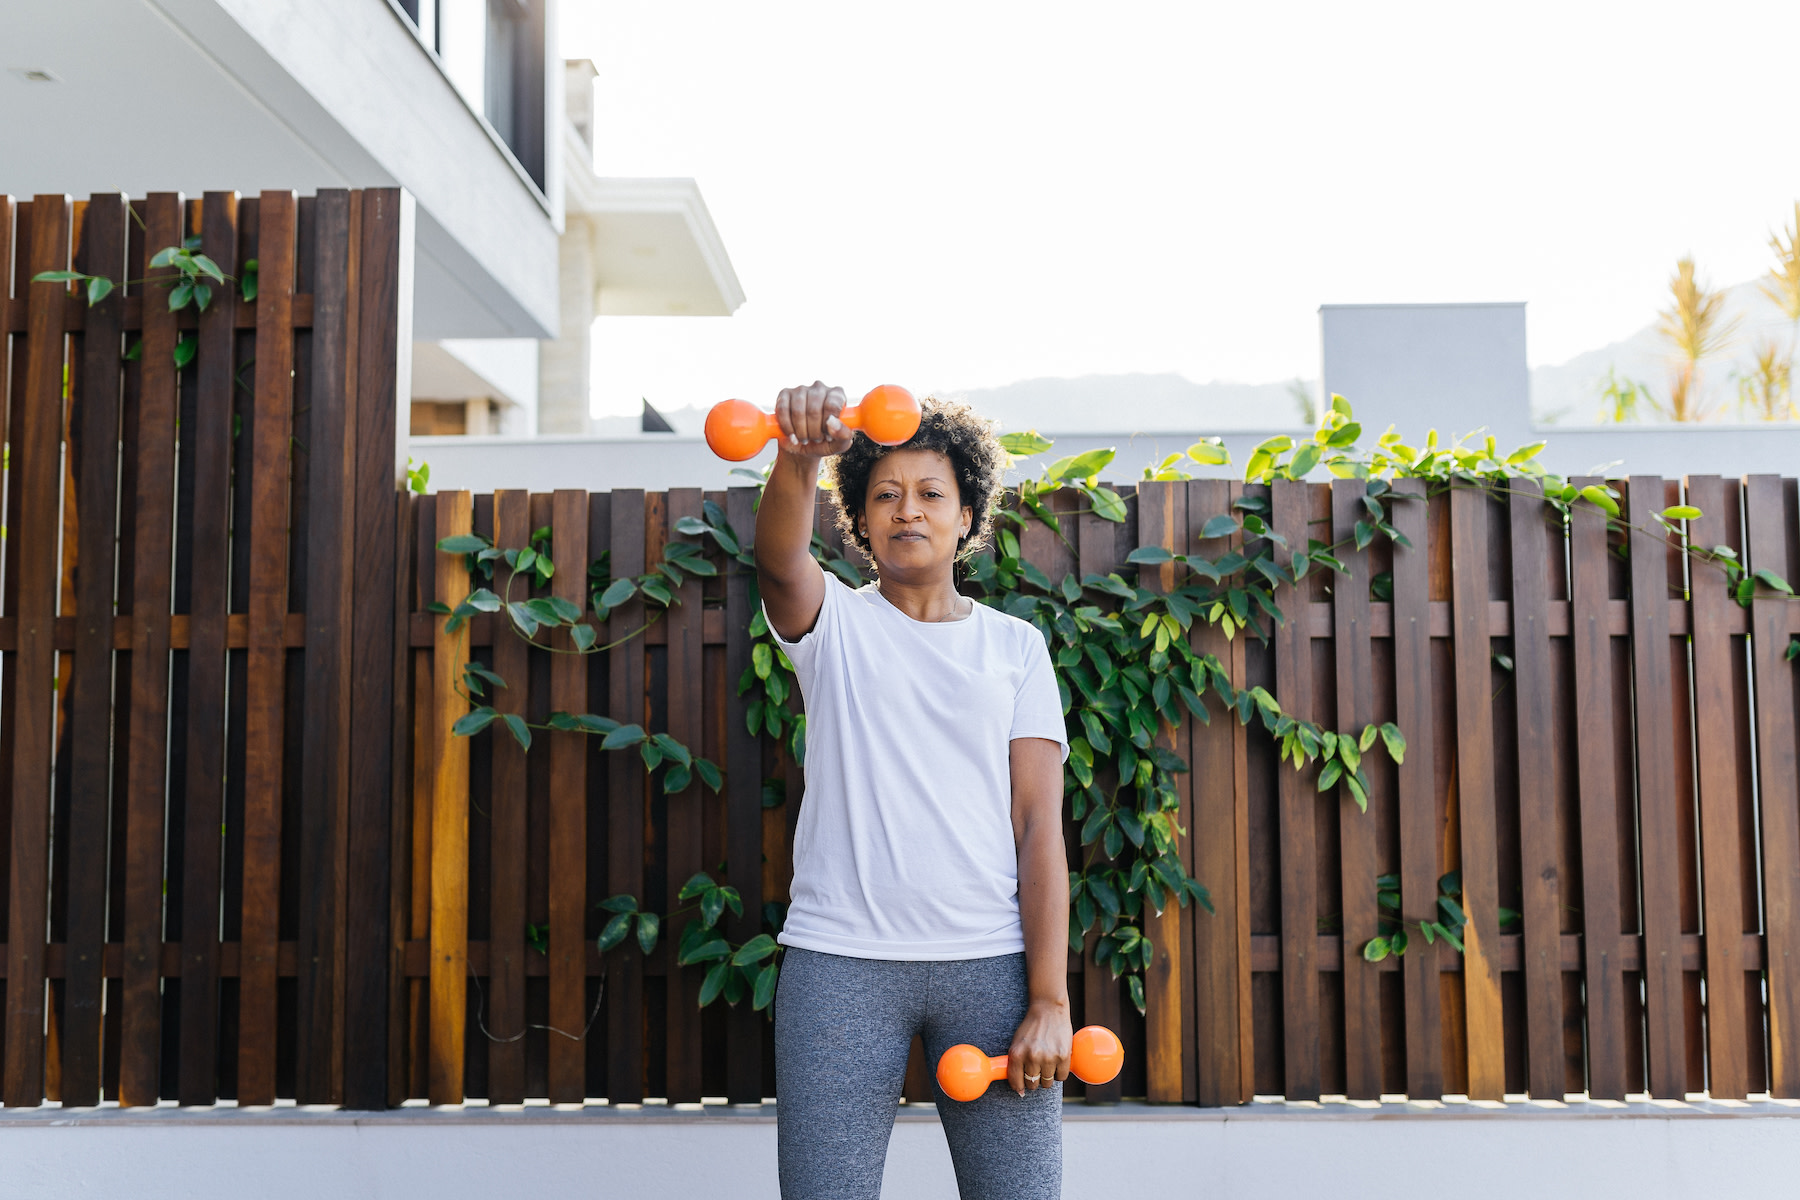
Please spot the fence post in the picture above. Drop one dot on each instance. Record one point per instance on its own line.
(381, 385)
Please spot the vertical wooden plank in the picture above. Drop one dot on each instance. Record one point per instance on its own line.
(1717, 738)
(1299, 880)
(1162, 521)
(1221, 963)
(1601, 798)
(1658, 818)
(568, 816)
(407, 721)
(449, 985)
(506, 921)
(325, 766)
(266, 674)
(95, 460)
(1538, 771)
(1770, 533)
(35, 470)
(1469, 550)
(378, 703)
(207, 455)
(1101, 992)
(743, 803)
(153, 511)
(1356, 829)
(686, 851)
(625, 807)
(1416, 715)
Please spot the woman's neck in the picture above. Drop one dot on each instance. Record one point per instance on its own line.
(932, 601)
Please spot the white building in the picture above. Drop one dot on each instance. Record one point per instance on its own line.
(462, 102)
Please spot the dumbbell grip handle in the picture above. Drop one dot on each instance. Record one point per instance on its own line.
(852, 418)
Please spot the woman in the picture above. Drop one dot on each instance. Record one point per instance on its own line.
(931, 890)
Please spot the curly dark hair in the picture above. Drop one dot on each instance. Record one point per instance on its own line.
(954, 430)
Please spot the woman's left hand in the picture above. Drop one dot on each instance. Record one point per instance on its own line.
(1039, 1055)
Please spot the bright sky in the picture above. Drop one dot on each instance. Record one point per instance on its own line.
(956, 195)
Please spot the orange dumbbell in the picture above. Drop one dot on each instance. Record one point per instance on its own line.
(965, 1072)
(737, 429)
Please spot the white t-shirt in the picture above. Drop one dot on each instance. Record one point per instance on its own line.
(904, 848)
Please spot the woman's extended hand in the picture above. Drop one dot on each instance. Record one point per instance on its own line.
(1040, 1047)
(809, 421)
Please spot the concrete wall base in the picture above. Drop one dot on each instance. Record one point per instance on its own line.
(1382, 1152)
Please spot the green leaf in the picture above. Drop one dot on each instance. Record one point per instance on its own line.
(473, 722)
(1394, 740)
(180, 295)
(98, 288)
(765, 987)
(1135, 984)
(614, 933)
(1305, 459)
(521, 733)
(1024, 445)
(755, 950)
(1108, 506)
(709, 774)
(1397, 941)
(1080, 466)
(648, 926)
(1150, 555)
(618, 592)
(1774, 581)
(1596, 495)
(57, 277)
(624, 737)
(185, 350)
(624, 902)
(584, 637)
(1376, 949)
(463, 543)
(1220, 526)
(1210, 452)
(714, 983)
(1681, 512)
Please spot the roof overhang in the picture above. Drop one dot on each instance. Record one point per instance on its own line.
(654, 248)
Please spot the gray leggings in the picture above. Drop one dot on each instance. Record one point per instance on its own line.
(843, 1027)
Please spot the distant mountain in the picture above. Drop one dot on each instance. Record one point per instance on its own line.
(1093, 404)
(1570, 392)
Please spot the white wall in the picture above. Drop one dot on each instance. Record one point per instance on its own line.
(1264, 1152)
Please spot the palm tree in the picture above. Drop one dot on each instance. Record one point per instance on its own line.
(1783, 287)
(1695, 327)
(1766, 390)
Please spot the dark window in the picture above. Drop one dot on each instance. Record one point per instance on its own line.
(514, 104)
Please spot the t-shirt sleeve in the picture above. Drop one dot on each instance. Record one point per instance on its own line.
(1037, 709)
(804, 653)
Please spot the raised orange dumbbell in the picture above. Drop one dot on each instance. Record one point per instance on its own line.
(965, 1072)
(737, 429)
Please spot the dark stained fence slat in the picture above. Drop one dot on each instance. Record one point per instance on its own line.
(1416, 716)
(1357, 849)
(14, 274)
(378, 701)
(266, 673)
(625, 807)
(325, 756)
(1220, 942)
(1162, 521)
(1772, 528)
(1717, 741)
(1299, 873)
(1658, 818)
(1602, 798)
(153, 510)
(35, 470)
(506, 892)
(95, 427)
(568, 816)
(743, 804)
(1539, 769)
(207, 456)
(686, 849)
(1469, 548)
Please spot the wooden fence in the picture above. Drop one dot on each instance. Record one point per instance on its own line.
(197, 649)
(245, 860)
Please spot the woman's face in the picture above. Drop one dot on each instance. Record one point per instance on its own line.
(913, 514)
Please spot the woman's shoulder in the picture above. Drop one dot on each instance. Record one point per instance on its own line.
(1023, 633)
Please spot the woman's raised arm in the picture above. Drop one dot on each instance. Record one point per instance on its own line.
(792, 585)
